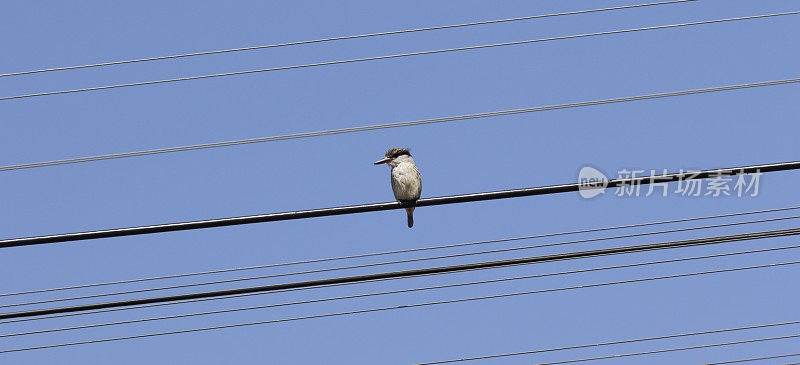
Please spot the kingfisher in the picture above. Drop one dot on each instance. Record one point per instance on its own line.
(405, 177)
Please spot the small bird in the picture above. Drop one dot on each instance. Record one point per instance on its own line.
(406, 181)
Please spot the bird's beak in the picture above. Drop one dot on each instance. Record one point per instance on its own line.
(385, 160)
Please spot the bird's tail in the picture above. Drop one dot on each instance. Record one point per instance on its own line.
(410, 213)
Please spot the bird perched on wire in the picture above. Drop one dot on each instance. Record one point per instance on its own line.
(406, 181)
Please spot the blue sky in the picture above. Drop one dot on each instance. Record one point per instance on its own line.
(717, 130)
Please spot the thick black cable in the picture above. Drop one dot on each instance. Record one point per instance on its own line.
(671, 350)
(420, 259)
(483, 46)
(638, 264)
(412, 273)
(247, 294)
(503, 194)
(401, 307)
(401, 251)
(396, 125)
(619, 342)
(344, 38)
(406, 250)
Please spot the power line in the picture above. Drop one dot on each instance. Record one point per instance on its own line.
(420, 259)
(620, 342)
(754, 359)
(392, 56)
(412, 273)
(672, 349)
(394, 125)
(397, 307)
(503, 194)
(404, 291)
(399, 251)
(287, 290)
(342, 38)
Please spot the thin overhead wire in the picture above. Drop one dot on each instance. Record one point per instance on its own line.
(485, 22)
(453, 199)
(620, 342)
(672, 350)
(754, 359)
(399, 261)
(394, 125)
(413, 273)
(483, 46)
(401, 251)
(395, 307)
(404, 291)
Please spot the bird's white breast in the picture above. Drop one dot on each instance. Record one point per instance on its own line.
(406, 181)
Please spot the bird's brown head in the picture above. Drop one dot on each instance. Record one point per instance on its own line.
(393, 154)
